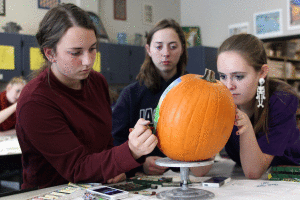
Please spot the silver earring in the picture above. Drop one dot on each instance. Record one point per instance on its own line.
(260, 95)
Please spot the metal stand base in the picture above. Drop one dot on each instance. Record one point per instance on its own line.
(184, 192)
(190, 193)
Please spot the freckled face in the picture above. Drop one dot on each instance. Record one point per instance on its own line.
(238, 76)
(75, 55)
(165, 50)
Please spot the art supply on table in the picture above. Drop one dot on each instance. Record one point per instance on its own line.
(284, 173)
(145, 193)
(172, 184)
(216, 181)
(150, 180)
(108, 192)
(131, 186)
(68, 192)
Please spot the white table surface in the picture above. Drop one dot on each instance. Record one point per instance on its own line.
(9, 145)
(238, 188)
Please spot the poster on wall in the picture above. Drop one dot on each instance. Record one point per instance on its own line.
(2, 7)
(238, 28)
(268, 24)
(148, 14)
(47, 4)
(192, 35)
(120, 10)
(293, 14)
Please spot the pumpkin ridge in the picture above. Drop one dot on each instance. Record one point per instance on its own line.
(175, 92)
(184, 84)
(213, 99)
(186, 143)
(222, 122)
(217, 114)
(195, 113)
(203, 123)
(212, 142)
(206, 117)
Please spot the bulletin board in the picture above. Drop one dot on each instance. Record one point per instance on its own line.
(97, 63)
(7, 57)
(36, 58)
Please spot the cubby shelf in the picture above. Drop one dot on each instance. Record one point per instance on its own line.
(287, 59)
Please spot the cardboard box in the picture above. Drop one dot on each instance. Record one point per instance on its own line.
(276, 69)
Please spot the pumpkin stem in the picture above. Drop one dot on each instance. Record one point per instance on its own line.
(209, 75)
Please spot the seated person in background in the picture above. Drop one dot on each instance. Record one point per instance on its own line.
(8, 104)
(64, 117)
(165, 61)
(113, 97)
(265, 132)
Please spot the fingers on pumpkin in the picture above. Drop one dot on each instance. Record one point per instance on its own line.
(142, 122)
(241, 130)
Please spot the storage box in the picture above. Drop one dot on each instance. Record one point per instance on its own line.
(289, 70)
(276, 69)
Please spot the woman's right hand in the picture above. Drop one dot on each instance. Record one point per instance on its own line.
(141, 141)
(150, 167)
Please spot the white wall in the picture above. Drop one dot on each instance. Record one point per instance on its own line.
(134, 23)
(214, 16)
(27, 14)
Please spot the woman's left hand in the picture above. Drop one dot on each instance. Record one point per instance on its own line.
(243, 122)
(119, 178)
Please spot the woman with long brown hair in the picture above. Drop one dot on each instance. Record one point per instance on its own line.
(64, 114)
(265, 132)
(165, 61)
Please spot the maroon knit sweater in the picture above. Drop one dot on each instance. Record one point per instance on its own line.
(65, 134)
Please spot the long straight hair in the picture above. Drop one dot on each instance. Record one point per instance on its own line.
(252, 50)
(148, 74)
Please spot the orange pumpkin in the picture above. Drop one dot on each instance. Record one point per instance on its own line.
(194, 117)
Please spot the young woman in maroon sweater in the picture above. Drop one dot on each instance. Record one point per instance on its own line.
(64, 117)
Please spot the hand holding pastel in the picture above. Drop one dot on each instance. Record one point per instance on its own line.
(141, 140)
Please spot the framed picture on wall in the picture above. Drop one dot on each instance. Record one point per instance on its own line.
(293, 14)
(148, 14)
(2, 7)
(268, 24)
(120, 9)
(192, 35)
(238, 28)
(47, 4)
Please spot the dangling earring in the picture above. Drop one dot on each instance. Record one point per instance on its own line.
(260, 95)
